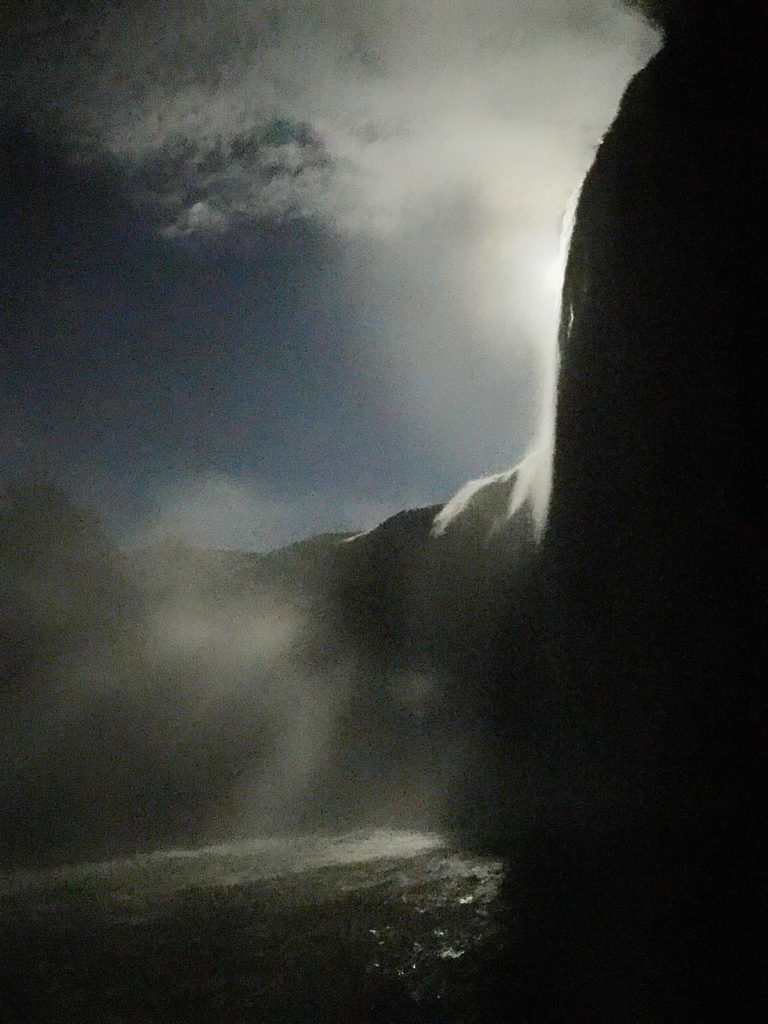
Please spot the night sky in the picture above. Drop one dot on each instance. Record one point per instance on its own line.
(271, 269)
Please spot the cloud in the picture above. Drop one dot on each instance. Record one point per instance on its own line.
(200, 217)
(351, 112)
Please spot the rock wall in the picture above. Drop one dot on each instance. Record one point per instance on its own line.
(654, 557)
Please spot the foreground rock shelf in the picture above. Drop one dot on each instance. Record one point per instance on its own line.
(378, 926)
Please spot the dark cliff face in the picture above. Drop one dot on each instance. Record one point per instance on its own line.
(658, 511)
(717, 19)
(655, 550)
(663, 360)
(456, 610)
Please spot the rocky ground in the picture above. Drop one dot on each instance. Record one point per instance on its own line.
(363, 927)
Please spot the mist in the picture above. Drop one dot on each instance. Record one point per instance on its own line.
(168, 693)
